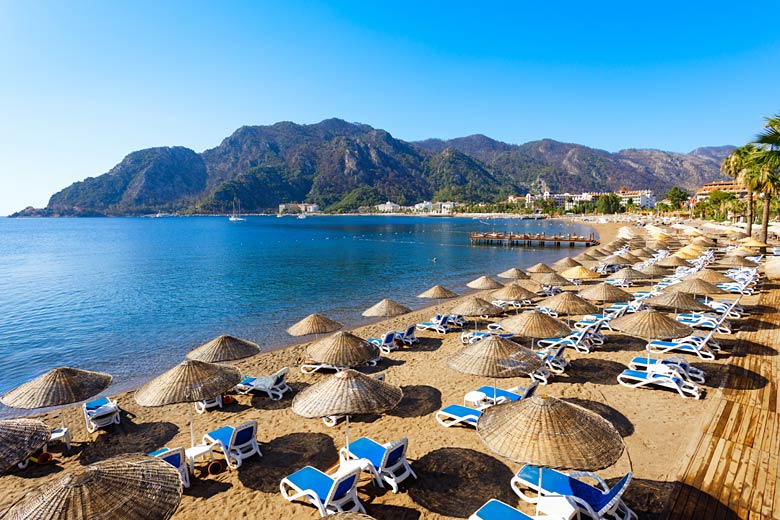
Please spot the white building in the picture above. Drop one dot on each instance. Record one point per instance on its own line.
(423, 207)
(641, 198)
(388, 207)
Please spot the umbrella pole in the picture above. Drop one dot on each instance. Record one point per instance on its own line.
(347, 431)
(192, 428)
(495, 391)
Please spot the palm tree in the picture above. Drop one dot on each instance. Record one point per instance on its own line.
(767, 160)
(741, 166)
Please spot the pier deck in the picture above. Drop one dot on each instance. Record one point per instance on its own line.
(733, 470)
(532, 239)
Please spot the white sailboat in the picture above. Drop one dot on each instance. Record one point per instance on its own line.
(236, 217)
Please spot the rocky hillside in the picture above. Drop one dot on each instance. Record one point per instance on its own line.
(342, 165)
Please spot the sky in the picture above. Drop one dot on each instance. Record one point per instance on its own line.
(84, 83)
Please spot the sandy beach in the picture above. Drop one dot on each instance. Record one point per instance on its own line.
(456, 472)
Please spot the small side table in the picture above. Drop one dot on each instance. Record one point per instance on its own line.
(556, 506)
(198, 451)
(475, 399)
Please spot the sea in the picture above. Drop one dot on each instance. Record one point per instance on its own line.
(131, 296)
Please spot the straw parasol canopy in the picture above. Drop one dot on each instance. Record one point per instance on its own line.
(752, 242)
(737, 235)
(632, 258)
(655, 270)
(342, 349)
(565, 263)
(679, 301)
(650, 324)
(385, 309)
(128, 487)
(585, 257)
(672, 261)
(687, 255)
(579, 272)
(743, 252)
(347, 392)
(188, 382)
(735, 261)
(617, 260)
(437, 292)
(695, 286)
(20, 438)
(314, 324)
(513, 274)
(568, 303)
(546, 431)
(708, 275)
(475, 306)
(513, 292)
(553, 279)
(704, 241)
(483, 283)
(496, 357)
(224, 348)
(535, 324)
(531, 285)
(59, 386)
(627, 273)
(605, 292)
(540, 268)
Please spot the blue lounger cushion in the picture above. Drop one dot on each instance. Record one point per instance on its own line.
(365, 448)
(463, 411)
(561, 484)
(314, 479)
(247, 380)
(495, 510)
(158, 452)
(97, 403)
(222, 435)
(500, 392)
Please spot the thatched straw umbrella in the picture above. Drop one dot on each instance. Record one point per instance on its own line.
(695, 286)
(580, 272)
(314, 324)
(224, 348)
(708, 275)
(565, 263)
(672, 261)
(342, 349)
(188, 382)
(540, 268)
(513, 274)
(605, 292)
(437, 292)
(752, 242)
(496, 357)
(585, 257)
(535, 325)
(475, 306)
(550, 279)
(650, 324)
(631, 258)
(513, 292)
(385, 309)
(20, 438)
(679, 301)
(627, 273)
(545, 431)
(128, 487)
(57, 387)
(346, 393)
(531, 285)
(484, 283)
(737, 235)
(704, 242)
(655, 270)
(569, 304)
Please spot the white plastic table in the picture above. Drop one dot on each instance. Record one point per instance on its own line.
(556, 506)
(198, 451)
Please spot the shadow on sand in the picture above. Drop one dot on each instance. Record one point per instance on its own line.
(418, 400)
(456, 481)
(592, 370)
(650, 499)
(285, 455)
(127, 437)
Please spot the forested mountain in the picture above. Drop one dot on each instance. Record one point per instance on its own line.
(341, 166)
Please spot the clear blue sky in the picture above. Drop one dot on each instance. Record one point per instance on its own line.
(83, 83)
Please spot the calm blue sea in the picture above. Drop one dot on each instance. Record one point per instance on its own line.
(130, 296)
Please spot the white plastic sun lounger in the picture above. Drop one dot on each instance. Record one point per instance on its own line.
(455, 414)
(636, 379)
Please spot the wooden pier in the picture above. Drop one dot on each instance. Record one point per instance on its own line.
(532, 239)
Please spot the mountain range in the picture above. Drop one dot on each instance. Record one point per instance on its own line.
(342, 166)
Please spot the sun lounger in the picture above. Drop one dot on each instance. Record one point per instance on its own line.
(312, 366)
(677, 363)
(176, 458)
(438, 324)
(237, 443)
(60, 433)
(101, 413)
(706, 322)
(555, 359)
(388, 461)
(578, 340)
(588, 499)
(386, 343)
(475, 336)
(274, 385)
(207, 404)
(673, 380)
(456, 414)
(456, 319)
(497, 510)
(487, 396)
(662, 347)
(328, 493)
(408, 336)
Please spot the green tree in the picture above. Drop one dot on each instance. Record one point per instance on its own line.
(767, 159)
(677, 196)
(608, 204)
(741, 166)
